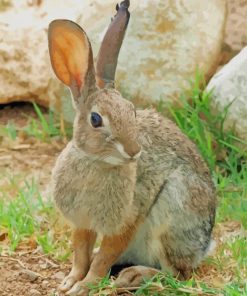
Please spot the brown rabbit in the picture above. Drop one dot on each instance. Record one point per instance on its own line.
(128, 175)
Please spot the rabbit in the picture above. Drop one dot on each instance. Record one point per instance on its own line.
(128, 176)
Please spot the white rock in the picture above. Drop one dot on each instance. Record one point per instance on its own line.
(229, 87)
(236, 33)
(34, 292)
(166, 41)
(59, 275)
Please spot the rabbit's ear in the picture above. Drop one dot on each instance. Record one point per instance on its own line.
(110, 47)
(71, 57)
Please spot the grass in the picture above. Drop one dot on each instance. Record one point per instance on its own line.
(28, 216)
(45, 128)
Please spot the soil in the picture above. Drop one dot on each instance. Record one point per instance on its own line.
(25, 158)
(30, 274)
(27, 272)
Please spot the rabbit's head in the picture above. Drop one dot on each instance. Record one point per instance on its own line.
(105, 124)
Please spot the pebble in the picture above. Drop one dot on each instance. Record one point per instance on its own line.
(34, 292)
(45, 284)
(59, 275)
(31, 275)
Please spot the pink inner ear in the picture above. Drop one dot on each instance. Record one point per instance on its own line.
(79, 81)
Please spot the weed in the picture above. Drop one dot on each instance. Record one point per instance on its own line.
(29, 216)
(46, 127)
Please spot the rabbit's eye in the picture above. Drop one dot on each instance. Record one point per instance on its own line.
(96, 119)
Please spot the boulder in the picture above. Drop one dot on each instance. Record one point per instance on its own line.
(229, 88)
(165, 43)
(235, 33)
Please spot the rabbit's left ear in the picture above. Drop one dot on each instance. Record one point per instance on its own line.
(71, 57)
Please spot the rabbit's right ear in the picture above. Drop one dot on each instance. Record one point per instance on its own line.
(71, 58)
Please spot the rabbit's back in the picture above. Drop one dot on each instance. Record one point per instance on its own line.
(175, 195)
(168, 156)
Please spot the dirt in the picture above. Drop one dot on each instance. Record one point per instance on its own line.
(25, 158)
(17, 113)
(30, 274)
(27, 271)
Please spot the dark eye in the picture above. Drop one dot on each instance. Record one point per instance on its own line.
(96, 119)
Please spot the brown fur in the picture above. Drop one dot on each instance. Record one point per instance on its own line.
(103, 184)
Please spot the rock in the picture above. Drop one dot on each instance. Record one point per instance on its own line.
(34, 292)
(229, 87)
(59, 275)
(30, 275)
(166, 41)
(45, 284)
(235, 33)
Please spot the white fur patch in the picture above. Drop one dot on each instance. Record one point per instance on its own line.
(211, 247)
(113, 160)
(120, 149)
(138, 155)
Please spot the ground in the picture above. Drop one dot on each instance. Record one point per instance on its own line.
(35, 248)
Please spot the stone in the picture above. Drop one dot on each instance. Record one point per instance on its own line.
(34, 292)
(45, 284)
(59, 275)
(235, 34)
(229, 88)
(165, 43)
(30, 275)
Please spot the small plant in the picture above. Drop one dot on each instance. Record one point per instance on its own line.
(195, 118)
(220, 148)
(46, 127)
(29, 216)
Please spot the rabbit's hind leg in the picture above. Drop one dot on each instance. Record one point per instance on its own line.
(133, 276)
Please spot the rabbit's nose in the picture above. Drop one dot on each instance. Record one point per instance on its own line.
(134, 151)
(129, 150)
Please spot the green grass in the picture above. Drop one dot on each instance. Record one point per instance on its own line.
(224, 152)
(46, 127)
(27, 216)
(165, 284)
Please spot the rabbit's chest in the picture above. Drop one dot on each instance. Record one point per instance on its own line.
(94, 199)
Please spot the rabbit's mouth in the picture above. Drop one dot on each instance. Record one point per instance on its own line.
(119, 161)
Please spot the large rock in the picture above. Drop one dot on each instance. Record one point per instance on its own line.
(229, 88)
(235, 33)
(25, 72)
(166, 42)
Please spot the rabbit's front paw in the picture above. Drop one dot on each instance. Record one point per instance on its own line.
(79, 289)
(68, 282)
